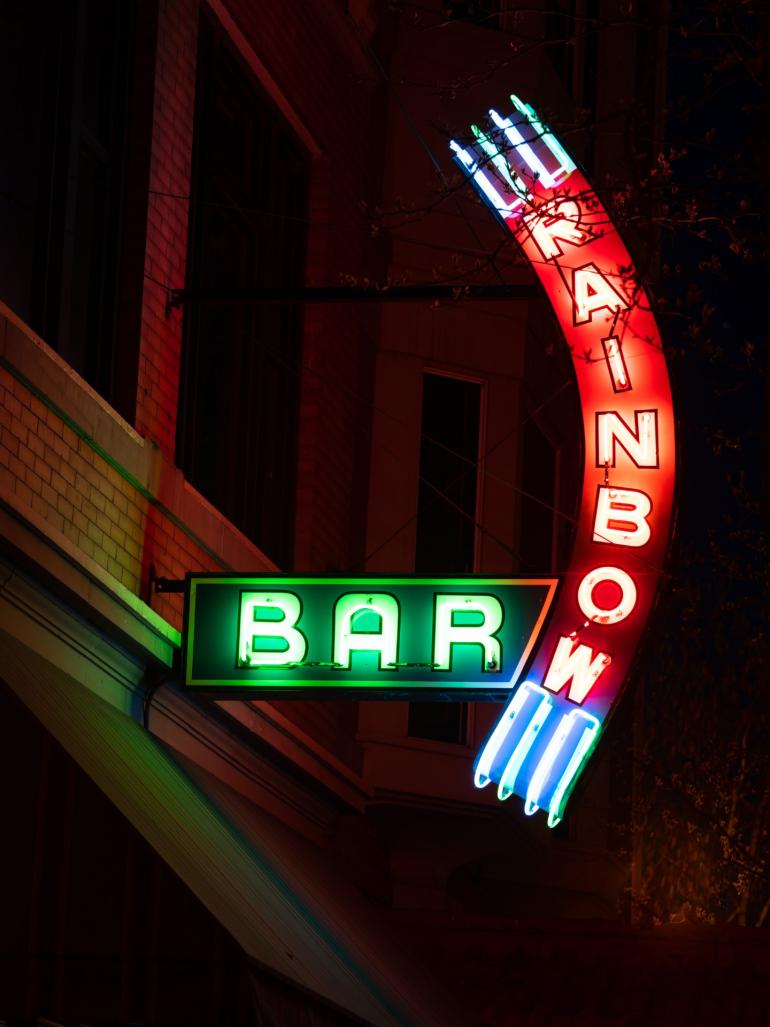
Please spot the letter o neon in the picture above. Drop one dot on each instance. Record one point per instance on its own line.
(596, 577)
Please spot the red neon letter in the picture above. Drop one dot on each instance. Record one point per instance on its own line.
(641, 445)
(623, 607)
(591, 292)
(621, 516)
(556, 221)
(576, 663)
(613, 354)
(625, 392)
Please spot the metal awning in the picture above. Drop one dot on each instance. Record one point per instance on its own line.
(276, 894)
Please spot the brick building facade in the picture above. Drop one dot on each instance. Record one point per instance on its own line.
(153, 425)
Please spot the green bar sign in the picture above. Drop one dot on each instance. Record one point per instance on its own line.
(364, 637)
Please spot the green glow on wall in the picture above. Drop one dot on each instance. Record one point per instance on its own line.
(271, 635)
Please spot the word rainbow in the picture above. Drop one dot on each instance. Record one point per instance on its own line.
(554, 718)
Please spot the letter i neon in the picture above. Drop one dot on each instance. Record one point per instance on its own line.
(588, 739)
(545, 767)
(613, 354)
(566, 163)
(525, 743)
(471, 168)
(506, 725)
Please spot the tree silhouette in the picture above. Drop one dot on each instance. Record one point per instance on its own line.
(689, 201)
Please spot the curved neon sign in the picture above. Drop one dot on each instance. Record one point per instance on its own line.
(554, 718)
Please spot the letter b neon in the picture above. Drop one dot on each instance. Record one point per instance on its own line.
(260, 630)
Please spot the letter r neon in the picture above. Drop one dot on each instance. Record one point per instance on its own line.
(447, 633)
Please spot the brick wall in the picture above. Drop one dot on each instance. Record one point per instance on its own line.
(47, 468)
(74, 470)
(167, 221)
(313, 60)
(54, 471)
(318, 67)
(109, 491)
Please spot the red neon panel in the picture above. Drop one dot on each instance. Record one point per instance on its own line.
(617, 354)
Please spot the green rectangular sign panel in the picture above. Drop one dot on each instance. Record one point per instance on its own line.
(462, 637)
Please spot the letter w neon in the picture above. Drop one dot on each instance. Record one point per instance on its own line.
(577, 665)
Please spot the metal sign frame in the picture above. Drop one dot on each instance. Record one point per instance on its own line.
(433, 655)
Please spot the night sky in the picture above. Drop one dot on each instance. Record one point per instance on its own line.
(707, 669)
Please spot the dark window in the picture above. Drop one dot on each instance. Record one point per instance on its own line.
(449, 452)
(590, 74)
(439, 721)
(240, 366)
(78, 91)
(446, 514)
(559, 25)
(538, 487)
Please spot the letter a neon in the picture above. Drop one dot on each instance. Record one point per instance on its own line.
(258, 630)
(575, 663)
(348, 640)
(591, 291)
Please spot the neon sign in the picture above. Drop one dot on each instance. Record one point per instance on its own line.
(554, 718)
(372, 637)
